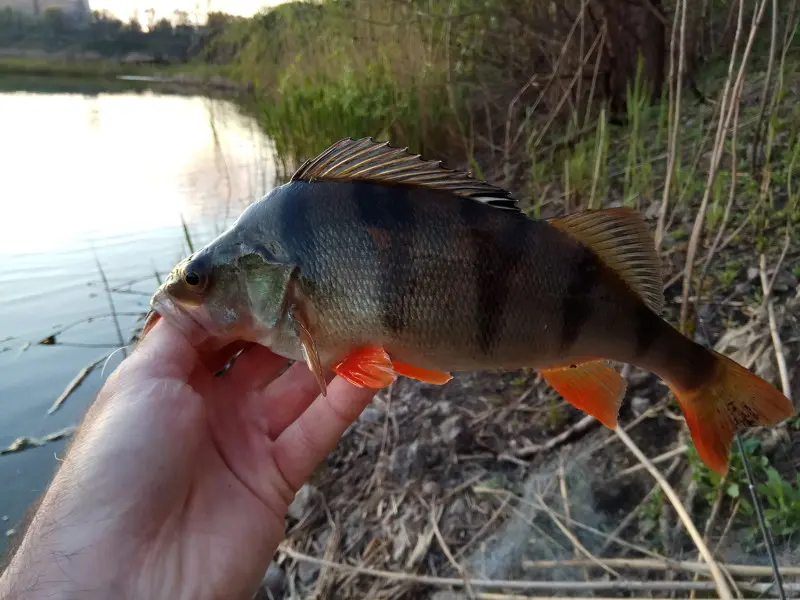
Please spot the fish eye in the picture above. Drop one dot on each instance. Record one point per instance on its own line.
(192, 278)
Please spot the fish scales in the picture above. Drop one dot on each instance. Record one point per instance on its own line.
(449, 281)
(376, 264)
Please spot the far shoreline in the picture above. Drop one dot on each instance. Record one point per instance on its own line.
(191, 75)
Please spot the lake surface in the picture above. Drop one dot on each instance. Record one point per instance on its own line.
(92, 177)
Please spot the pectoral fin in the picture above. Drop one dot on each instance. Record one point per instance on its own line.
(594, 387)
(309, 350)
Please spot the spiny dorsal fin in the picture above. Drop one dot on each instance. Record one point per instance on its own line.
(620, 238)
(378, 162)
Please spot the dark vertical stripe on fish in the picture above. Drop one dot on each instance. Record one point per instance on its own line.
(578, 305)
(648, 326)
(496, 255)
(389, 217)
(295, 231)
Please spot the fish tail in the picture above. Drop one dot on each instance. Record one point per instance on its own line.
(717, 396)
(729, 399)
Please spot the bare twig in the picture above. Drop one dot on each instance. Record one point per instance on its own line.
(719, 579)
(773, 324)
(578, 427)
(111, 306)
(632, 514)
(731, 192)
(658, 459)
(435, 516)
(73, 385)
(60, 330)
(652, 411)
(710, 522)
(760, 517)
(551, 79)
(724, 122)
(728, 525)
(575, 541)
(606, 536)
(26, 442)
(598, 155)
(647, 564)
(485, 528)
(676, 82)
(767, 85)
(501, 596)
(621, 585)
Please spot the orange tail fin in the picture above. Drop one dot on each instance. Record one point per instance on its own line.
(733, 398)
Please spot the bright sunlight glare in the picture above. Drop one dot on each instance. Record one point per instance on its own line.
(103, 166)
(196, 10)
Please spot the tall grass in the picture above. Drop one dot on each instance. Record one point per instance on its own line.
(570, 104)
(312, 114)
(500, 87)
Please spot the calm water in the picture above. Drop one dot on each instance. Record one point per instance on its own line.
(88, 177)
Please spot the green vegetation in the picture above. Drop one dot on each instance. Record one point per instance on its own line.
(495, 86)
(61, 67)
(779, 497)
(70, 44)
(569, 108)
(542, 99)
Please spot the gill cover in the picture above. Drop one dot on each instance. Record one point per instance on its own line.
(267, 285)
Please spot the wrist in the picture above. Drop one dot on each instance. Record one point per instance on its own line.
(49, 565)
(72, 548)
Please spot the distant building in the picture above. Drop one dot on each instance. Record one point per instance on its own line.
(76, 9)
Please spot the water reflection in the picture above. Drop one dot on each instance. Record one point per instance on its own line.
(99, 177)
(112, 165)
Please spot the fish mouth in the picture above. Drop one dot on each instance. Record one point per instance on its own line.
(163, 306)
(150, 320)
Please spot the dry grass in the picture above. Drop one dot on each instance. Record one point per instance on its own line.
(471, 486)
(466, 488)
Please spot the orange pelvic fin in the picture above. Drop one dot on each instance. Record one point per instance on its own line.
(594, 387)
(420, 374)
(732, 399)
(369, 366)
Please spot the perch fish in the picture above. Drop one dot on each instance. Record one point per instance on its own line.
(374, 263)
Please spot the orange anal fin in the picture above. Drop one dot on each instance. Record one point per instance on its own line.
(594, 387)
(367, 367)
(420, 374)
(732, 399)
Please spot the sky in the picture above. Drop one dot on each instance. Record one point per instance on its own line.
(123, 9)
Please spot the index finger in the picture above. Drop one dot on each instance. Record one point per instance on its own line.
(306, 442)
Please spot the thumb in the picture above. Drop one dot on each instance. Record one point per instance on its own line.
(164, 351)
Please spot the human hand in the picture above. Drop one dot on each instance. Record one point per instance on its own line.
(177, 483)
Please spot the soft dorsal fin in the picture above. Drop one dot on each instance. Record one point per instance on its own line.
(378, 162)
(620, 238)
